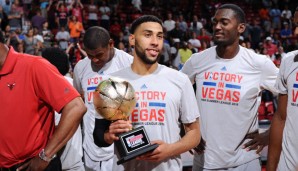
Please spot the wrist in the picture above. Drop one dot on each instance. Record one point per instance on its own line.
(43, 156)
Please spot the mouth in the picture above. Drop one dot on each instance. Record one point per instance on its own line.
(153, 52)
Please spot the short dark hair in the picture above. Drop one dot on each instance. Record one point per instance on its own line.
(239, 13)
(2, 38)
(145, 18)
(96, 37)
(58, 58)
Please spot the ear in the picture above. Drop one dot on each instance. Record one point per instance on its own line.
(111, 43)
(241, 27)
(132, 40)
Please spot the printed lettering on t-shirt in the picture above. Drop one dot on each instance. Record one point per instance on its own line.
(295, 92)
(91, 86)
(221, 87)
(150, 107)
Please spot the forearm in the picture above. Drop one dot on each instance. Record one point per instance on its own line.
(275, 141)
(71, 117)
(100, 133)
(189, 141)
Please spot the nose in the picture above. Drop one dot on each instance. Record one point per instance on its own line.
(154, 40)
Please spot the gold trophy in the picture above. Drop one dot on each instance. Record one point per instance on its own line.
(114, 99)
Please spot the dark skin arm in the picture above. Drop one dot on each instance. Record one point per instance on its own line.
(71, 116)
(276, 132)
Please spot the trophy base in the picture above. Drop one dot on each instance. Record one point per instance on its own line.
(137, 153)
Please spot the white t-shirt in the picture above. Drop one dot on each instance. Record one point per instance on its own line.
(169, 25)
(163, 98)
(71, 158)
(287, 83)
(63, 35)
(85, 81)
(228, 95)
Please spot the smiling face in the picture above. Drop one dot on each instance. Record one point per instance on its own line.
(226, 28)
(148, 42)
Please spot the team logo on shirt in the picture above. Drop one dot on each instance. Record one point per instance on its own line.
(221, 87)
(295, 92)
(150, 107)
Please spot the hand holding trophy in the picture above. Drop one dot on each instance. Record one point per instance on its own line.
(114, 99)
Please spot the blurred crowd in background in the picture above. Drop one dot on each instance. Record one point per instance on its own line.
(32, 25)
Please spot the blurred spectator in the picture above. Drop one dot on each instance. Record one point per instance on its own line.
(169, 23)
(30, 43)
(76, 9)
(53, 24)
(105, 12)
(286, 13)
(205, 37)
(43, 8)
(195, 25)
(27, 6)
(3, 18)
(15, 17)
(165, 57)
(255, 34)
(13, 39)
(137, 4)
(115, 29)
(286, 32)
(270, 47)
(182, 24)
(37, 20)
(47, 35)
(62, 37)
(194, 42)
(75, 29)
(92, 14)
(6, 4)
(184, 53)
(176, 32)
(275, 15)
(61, 14)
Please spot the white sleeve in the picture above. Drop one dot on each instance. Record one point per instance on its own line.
(189, 107)
(189, 70)
(269, 75)
(77, 80)
(281, 84)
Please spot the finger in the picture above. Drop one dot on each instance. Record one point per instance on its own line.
(23, 166)
(249, 143)
(252, 147)
(260, 148)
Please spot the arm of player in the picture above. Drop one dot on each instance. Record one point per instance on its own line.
(190, 140)
(276, 132)
(72, 114)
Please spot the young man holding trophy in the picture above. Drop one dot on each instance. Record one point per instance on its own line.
(163, 98)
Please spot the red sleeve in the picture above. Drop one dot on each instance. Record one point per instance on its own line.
(50, 86)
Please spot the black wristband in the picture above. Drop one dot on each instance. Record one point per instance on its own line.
(101, 126)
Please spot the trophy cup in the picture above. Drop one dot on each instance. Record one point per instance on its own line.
(114, 99)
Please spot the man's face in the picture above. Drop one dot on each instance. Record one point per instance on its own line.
(148, 42)
(100, 56)
(226, 29)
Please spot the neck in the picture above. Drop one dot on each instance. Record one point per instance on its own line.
(140, 68)
(3, 53)
(227, 52)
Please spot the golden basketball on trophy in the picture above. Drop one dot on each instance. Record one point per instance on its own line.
(114, 99)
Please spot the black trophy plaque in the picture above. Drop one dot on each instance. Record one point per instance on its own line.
(132, 144)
